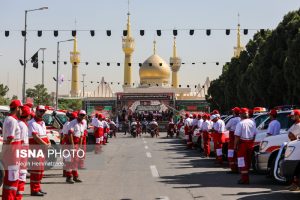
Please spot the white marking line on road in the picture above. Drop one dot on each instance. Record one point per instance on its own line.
(148, 154)
(154, 171)
(146, 147)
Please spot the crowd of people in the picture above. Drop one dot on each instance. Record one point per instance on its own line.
(25, 130)
(242, 130)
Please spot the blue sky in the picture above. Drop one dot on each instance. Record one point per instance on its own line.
(145, 14)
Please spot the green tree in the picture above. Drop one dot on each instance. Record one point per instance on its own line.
(70, 104)
(266, 73)
(3, 91)
(39, 94)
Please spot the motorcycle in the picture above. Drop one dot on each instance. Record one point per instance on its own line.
(133, 129)
(171, 130)
(153, 130)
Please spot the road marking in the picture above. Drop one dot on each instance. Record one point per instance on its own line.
(148, 154)
(146, 147)
(154, 171)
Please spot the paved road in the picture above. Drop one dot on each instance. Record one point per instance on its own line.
(156, 168)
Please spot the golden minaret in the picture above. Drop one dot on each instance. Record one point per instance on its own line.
(75, 60)
(239, 48)
(175, 63)
(128, 48)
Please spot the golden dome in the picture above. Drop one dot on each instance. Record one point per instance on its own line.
(154, 71)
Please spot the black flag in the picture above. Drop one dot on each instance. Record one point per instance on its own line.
(35, 60)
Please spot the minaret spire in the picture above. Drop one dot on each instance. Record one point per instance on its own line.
(239, 48)
(174, 48)
(75, 60)
(154, 47)
(128, 48)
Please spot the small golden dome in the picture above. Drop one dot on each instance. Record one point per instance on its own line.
(155, 71)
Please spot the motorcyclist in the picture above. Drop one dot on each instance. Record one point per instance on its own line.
(154, 125)
(133, 126)
(171, 127)
(144, 125)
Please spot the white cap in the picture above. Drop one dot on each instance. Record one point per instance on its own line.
(213, 117)
(218, 115)
(82, 112)
(191, 115)
(40, 107)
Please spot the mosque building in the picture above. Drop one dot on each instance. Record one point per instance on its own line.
(158, 89)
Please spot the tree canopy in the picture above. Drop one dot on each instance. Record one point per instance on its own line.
(40, 95)
(266, 74)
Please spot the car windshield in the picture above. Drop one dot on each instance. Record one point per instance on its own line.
(48, 119)
(62, 118)
(260, 118)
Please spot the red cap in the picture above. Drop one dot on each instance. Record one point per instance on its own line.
(194, 115)
(100, 116)
(15, 103)
(295, 112)
(29, 104)
(236, 110)
(74, 115)
(273, 112)
(187, 114)
(244, 110)
(199, 115)
(215, 112)
(40, 107)
(25, 111)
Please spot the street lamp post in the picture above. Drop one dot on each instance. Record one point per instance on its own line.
(43, 73)
(57, 70)
(83, 75)
(25, 41)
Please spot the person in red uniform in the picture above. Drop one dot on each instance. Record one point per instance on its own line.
(205, 128)
(25, 145)
(218, 130)
(243, 144)
(99, 134)
(65, 137)
(38, 140)
(230, 126)
(84, 143)
(179, 124)
(11, 143)
(76, 132)
(188, 125)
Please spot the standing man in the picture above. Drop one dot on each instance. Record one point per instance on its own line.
(38, 140)
(11, 143)
(230, 126)
(294, 133)
(188, 125)
(76, 132)
(205, 128)
(99, 134)
(274, 126)
(244, 142)
(218, 133)
(24, 145)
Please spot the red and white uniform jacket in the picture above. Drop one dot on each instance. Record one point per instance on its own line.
(246, 129)
(219, 126)
(76, 128)
(11, 129)
(24, 133)
(188, 124)
(206, 126)
(231, 125)
(37, 127)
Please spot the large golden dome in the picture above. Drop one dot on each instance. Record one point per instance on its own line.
(154, 71)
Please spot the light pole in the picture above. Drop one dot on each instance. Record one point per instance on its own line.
(43, 79)
(25, 41)
(57, 68)
(83, 75)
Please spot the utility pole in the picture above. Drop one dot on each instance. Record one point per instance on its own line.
(83, 75)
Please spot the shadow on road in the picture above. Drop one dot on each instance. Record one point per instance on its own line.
(216, 178)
